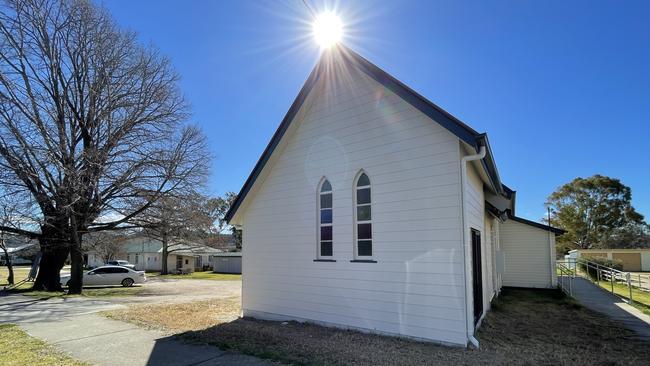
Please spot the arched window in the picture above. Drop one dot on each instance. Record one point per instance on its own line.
(363, 217)
(325, 219)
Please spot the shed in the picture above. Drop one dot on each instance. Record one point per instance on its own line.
(529, 249)
(227, 262)
(634, 260)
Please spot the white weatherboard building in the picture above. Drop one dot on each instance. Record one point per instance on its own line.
(374, 209)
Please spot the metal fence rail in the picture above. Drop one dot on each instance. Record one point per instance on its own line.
(568, 268)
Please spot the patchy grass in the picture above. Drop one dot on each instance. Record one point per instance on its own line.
(20, 273)
(181, 317)
(206, 275)
(18, 348)
(94, 292)
(524, 327)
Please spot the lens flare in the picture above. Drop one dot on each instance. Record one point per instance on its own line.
(328, 29)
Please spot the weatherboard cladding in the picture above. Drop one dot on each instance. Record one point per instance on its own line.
(415, 288)
(452, 124)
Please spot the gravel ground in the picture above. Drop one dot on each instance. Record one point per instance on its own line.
(182, 291)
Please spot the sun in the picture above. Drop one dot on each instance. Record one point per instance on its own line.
(328, 29)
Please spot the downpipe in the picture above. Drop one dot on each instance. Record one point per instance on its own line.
(467, 249)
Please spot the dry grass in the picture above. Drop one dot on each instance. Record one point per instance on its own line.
(525, 327)
(204, 275)
(182, 317)
(17, 348)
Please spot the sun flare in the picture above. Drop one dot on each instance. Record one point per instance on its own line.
(328, 29)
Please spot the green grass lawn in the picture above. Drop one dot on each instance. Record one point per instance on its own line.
(207, 275)
(17, 348)
(641, 299)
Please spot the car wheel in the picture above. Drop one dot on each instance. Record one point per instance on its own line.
(127, 282)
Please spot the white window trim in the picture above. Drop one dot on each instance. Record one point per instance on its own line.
(318, 219)
(355, 238)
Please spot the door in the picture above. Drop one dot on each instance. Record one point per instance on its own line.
(179, 262)
(477, 275)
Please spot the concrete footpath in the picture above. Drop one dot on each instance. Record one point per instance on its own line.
(595, 298)
(73, 326)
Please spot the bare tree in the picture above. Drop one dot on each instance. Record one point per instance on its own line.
(178, 222)
(108, 245)
(89, 119)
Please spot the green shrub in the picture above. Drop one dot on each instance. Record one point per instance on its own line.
(611, 263)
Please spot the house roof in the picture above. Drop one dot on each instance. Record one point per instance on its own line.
(538, 225)
(145, 245)
(228, 254)
(464, 132)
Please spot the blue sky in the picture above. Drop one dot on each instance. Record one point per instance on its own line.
(561, 87)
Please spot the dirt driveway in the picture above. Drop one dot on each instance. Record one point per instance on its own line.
(157, 290)
(20, 308)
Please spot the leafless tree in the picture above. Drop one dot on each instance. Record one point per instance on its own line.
(179, 222)
(108, 245)
(89, 120)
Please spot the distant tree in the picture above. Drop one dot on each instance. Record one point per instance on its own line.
(108, 245)
(89, 120)
(592, 211)
(222, 206)
(177, 222)
(5, 252)
(631, 236)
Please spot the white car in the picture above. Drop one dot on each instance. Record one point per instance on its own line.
(109, 275)
(120, 263)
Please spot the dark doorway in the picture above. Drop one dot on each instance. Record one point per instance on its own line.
(477, 275)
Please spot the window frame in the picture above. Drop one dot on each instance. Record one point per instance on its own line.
(356, 221)
(319, 224)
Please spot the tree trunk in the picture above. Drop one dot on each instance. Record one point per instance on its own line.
(52, 261)
(54, 250)
(76, 259)
(165, 253)
(10, 267)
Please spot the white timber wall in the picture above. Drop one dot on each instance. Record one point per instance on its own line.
(416, 287)
(476, 219)
(529, 256)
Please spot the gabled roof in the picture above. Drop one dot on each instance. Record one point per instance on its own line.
(439, 115)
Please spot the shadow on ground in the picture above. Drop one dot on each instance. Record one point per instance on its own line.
(524, 327)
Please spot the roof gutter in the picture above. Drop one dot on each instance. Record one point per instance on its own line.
(469, 311)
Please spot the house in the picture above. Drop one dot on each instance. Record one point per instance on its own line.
(146, 254)
(634, 260)
(21, 250)
(374, 209)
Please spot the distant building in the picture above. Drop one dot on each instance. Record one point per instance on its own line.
(21, 250)
(146, 254)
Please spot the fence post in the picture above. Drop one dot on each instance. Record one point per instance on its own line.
(629, 285)
(640, 287)
(611, 279)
